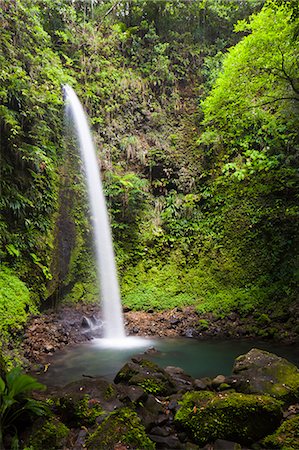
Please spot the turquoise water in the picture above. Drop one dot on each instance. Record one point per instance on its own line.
(197, 357)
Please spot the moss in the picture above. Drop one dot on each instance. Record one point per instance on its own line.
(287, 386)
(110, 392)
(120, 427)
(152, 386)
(263, 320)
(203, 324)
(51, 436)
(286, 437)
(243, 418)
(267, 374)
(15, 303)
(146, 374)
(78, 412)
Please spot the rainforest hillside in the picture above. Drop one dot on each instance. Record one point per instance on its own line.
(194, 111)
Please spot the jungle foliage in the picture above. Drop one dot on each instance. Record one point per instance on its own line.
(194, 110)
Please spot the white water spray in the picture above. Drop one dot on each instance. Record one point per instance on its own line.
(111, 303)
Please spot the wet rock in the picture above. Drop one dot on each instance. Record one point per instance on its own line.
(146, 374)
(129, 394)
(259, 371)
(217, 381)
(183, 382)
(202, 384)
(190, 332)
(86, 324)
(150, 412)
(151, 351)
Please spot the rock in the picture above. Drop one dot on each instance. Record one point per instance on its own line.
(202, 384)
(232, 316)
(86, 323)
(49, 434)
(79, 444)
(182, 381)
(190, 332)
(146, 374)
(207, 416)
(217, 381)
(161, 431)
(221, 444)
(285, 437)
(262, 372)
(77, 412)
(150, 412)
(120, 427)
(170, 441)
(49, 348)
(173, 405)
(131, 394)
(151, 351)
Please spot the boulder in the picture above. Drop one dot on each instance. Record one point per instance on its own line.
(207, 416)
(49, 434)
(182, 381)
(146, 374)
(286, 437)
(152, 412)
(261, 372)
(120, 427)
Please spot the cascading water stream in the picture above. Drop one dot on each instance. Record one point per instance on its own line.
(111, 303)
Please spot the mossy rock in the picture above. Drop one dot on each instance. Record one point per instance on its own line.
(120, 427)
(286, 437)
(261, 372)
(77, 412)
(146, 374)
(51, 435)
(207, 416)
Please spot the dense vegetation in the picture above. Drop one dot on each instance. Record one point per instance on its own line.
(194, 109)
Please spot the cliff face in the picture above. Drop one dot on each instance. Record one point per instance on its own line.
(201, 191)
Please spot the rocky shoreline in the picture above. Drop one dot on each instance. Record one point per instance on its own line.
(148, 408)
(53, 330)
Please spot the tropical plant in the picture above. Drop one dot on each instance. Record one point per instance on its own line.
(15, 403)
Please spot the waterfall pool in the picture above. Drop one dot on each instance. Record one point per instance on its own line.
(199, 358)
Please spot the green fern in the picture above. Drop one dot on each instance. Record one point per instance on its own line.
(14, 402)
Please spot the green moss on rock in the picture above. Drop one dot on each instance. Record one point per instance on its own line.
(122, 426)
(15, 303)
(51, 436)
(146, 374)
(77, 412)
(286, 437)
(267, 374)
(207, 416)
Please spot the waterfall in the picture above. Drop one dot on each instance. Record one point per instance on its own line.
(110, 295)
